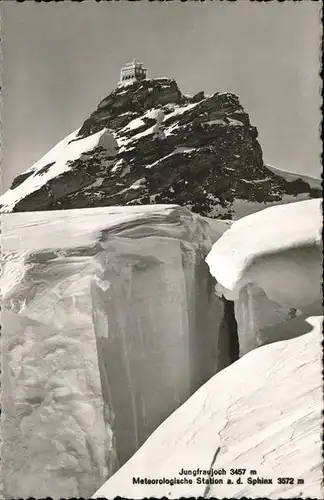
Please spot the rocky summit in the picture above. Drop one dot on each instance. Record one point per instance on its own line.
(148, 143)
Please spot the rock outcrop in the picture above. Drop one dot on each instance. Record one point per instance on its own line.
(134, 280)
(160, 147)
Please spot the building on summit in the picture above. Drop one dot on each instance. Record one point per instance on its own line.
(132, 72)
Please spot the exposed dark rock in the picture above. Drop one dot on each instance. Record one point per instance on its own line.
(201, 152)
(198, 97)
(20, 179)
(45, 169)
(138, 97)
(38, 200)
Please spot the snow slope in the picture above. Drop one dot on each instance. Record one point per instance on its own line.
(262, 413)
(70, 228)
(116, 292)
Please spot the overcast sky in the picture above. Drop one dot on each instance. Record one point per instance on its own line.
(61, 59)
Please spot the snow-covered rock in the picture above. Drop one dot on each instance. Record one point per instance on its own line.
(201, 152)
(135, 280)
(259, 417)
(57, 175)
(297, 178)
(270, 264)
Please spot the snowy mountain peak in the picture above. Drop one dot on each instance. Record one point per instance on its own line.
(149, 143)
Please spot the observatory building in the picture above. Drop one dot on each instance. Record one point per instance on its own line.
(132, 72)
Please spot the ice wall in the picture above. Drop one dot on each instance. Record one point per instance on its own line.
(258, 317)
(157, 322)
(55, 439)
(270, 265)
(260, 416)
(134, 278)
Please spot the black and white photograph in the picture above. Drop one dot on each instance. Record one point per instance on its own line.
(161, 249)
